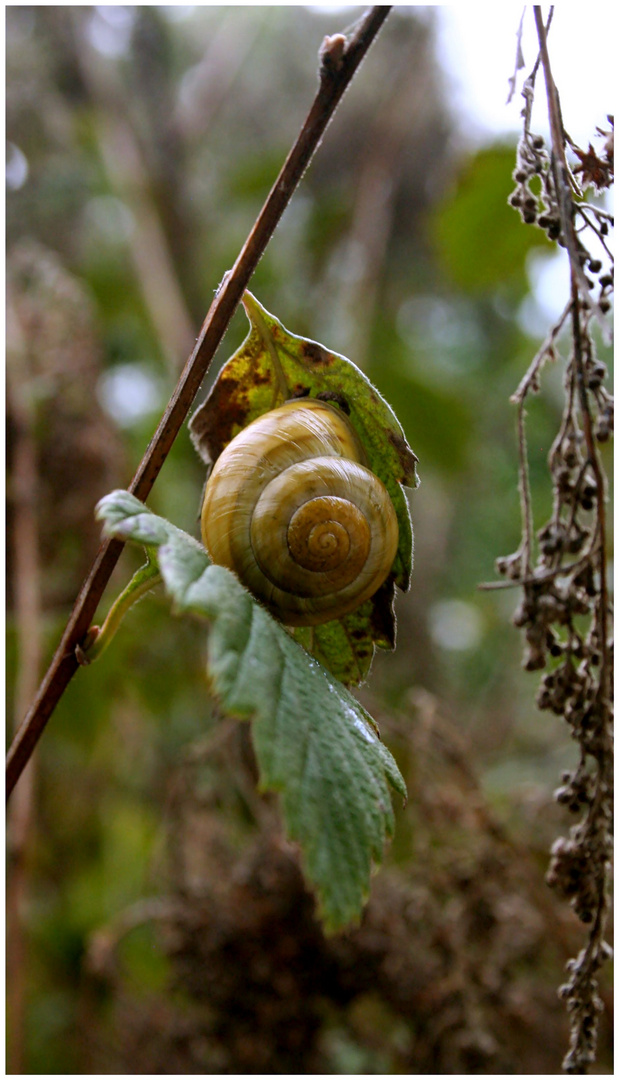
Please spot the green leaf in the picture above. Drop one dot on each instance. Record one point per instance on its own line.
(272, 366)
(314, 742)
(344, 645)
(479, 238)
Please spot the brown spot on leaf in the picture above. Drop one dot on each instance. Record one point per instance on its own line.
(408, 459)
(214, 424)
(382, 619)
(337, 399)
(315, 354)
(260, 378)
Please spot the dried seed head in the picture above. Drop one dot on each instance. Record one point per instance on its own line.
(534, 659)
(509, 565)
(602, 431)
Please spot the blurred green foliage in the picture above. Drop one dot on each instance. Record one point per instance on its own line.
(151, 137)
(481, 244)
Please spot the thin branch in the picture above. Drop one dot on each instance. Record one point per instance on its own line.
(524, 489)
(577, 276)
(28, 607)
(538, 578)
(588, 223)
(561, 176)
(340, 58)
(519, 62)
(528, 89)
(542, 353)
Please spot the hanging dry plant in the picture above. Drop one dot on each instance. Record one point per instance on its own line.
(565, 611)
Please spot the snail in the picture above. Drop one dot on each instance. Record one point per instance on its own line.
(292, 508)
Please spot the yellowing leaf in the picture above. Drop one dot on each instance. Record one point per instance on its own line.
(271, 367)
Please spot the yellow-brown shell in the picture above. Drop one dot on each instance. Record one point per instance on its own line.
(292, 508)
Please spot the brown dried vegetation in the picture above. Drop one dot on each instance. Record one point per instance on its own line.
(451, 971)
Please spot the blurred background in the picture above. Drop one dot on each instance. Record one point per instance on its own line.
(157, 919)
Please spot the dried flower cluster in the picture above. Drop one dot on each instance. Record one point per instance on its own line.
(565, 610)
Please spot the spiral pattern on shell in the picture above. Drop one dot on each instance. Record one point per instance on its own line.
(292, 508)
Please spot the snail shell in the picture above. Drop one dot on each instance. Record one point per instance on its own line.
(292, 508)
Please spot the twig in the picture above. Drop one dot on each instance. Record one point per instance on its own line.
(20, 820)
(538, 579)
(534, 367)
(562, 176)
(519, 62)
(340, 58)
(524, 489)
(605, 217)
(529, 85)
(567, 226)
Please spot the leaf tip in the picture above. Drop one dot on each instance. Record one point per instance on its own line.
(250, 304)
